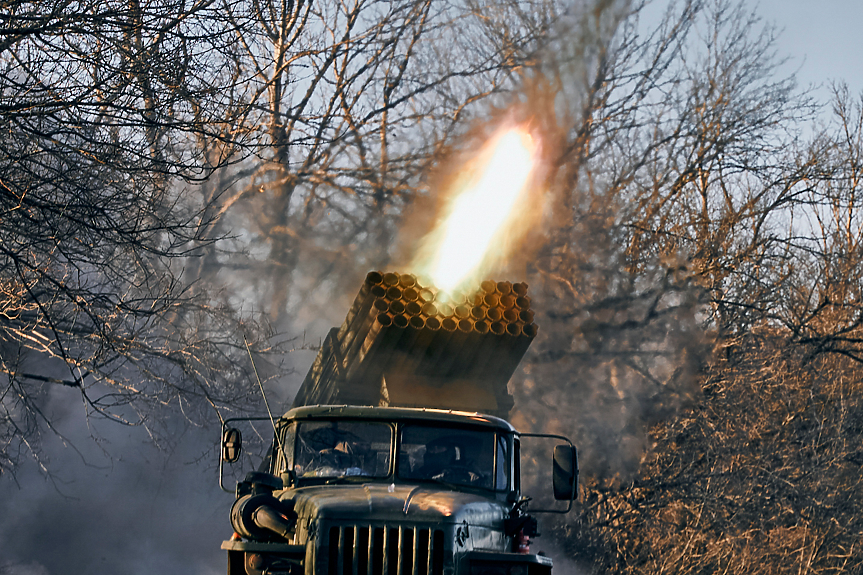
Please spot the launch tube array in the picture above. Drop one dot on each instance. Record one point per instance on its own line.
(398, 324)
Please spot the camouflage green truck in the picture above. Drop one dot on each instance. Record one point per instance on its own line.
(392, 485)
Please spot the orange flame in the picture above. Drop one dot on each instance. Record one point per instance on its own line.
(469, 237)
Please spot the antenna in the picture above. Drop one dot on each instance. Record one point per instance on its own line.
(264, 395)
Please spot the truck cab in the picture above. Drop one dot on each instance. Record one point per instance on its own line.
(350, 490)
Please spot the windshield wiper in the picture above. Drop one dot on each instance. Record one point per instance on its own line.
(348, 479)
(447, 484)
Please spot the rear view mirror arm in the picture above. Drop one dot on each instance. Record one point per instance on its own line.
(225, 427)
(574, 483)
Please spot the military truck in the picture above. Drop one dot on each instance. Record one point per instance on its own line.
(384, 489)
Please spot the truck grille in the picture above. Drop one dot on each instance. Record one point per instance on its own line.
(365, 550)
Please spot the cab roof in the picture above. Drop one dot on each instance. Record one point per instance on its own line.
(398, 414)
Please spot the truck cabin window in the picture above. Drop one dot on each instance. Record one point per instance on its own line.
(342, 448)
(452, 455)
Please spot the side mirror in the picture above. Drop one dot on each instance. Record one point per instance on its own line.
(565, 472)
(232, 445)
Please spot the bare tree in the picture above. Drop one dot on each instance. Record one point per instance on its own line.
(683, 154)
(822, 295)
(352, 102)
(107, 108)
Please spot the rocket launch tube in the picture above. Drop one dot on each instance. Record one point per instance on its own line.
(410, 294)
(462, 311)
(438, 346)
(491, 300)
(426, 333)
(379, 336)
(394, 293)
(371, 341)
(510, 315)
(413, 308)
(396, 326)
(353, 342)
(455, 347)
(481, 326)
(516, 347)
(361, 303)
(402, 359)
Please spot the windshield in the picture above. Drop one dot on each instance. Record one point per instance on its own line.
(342, 448)
(454, 455)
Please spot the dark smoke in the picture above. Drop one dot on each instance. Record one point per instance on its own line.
(114, 505)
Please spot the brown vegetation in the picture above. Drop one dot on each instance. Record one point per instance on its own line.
(703, 338)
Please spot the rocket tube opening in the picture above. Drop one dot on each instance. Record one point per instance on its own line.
(462, 312)
(394, 293)
(449, 324)
(513, 329)
(510, 315)
(429, 309)
(526, 316)
(465, 325)
(433, 323)
(374, 278)
(520, 289)
(497, 328)
(488, 286)
(426, 295)
(444, 309)
(413, 308)
(491, 300)
(507, 301)
(494, 314)
(407, 281)
(481, 326)
(410, 294)
(417, 322)
(391, 279)
(400, 320)
(530, 330)
(457, 298)
(522, 301)
(396, 307)
(381, 305)
(477, 312)
(384, 319)
(504, 287)
(378, 291)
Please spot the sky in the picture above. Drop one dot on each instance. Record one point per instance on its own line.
(821, 38)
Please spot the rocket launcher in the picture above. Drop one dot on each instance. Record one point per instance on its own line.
(401, 346)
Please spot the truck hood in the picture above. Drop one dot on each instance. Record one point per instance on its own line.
(395, 503)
